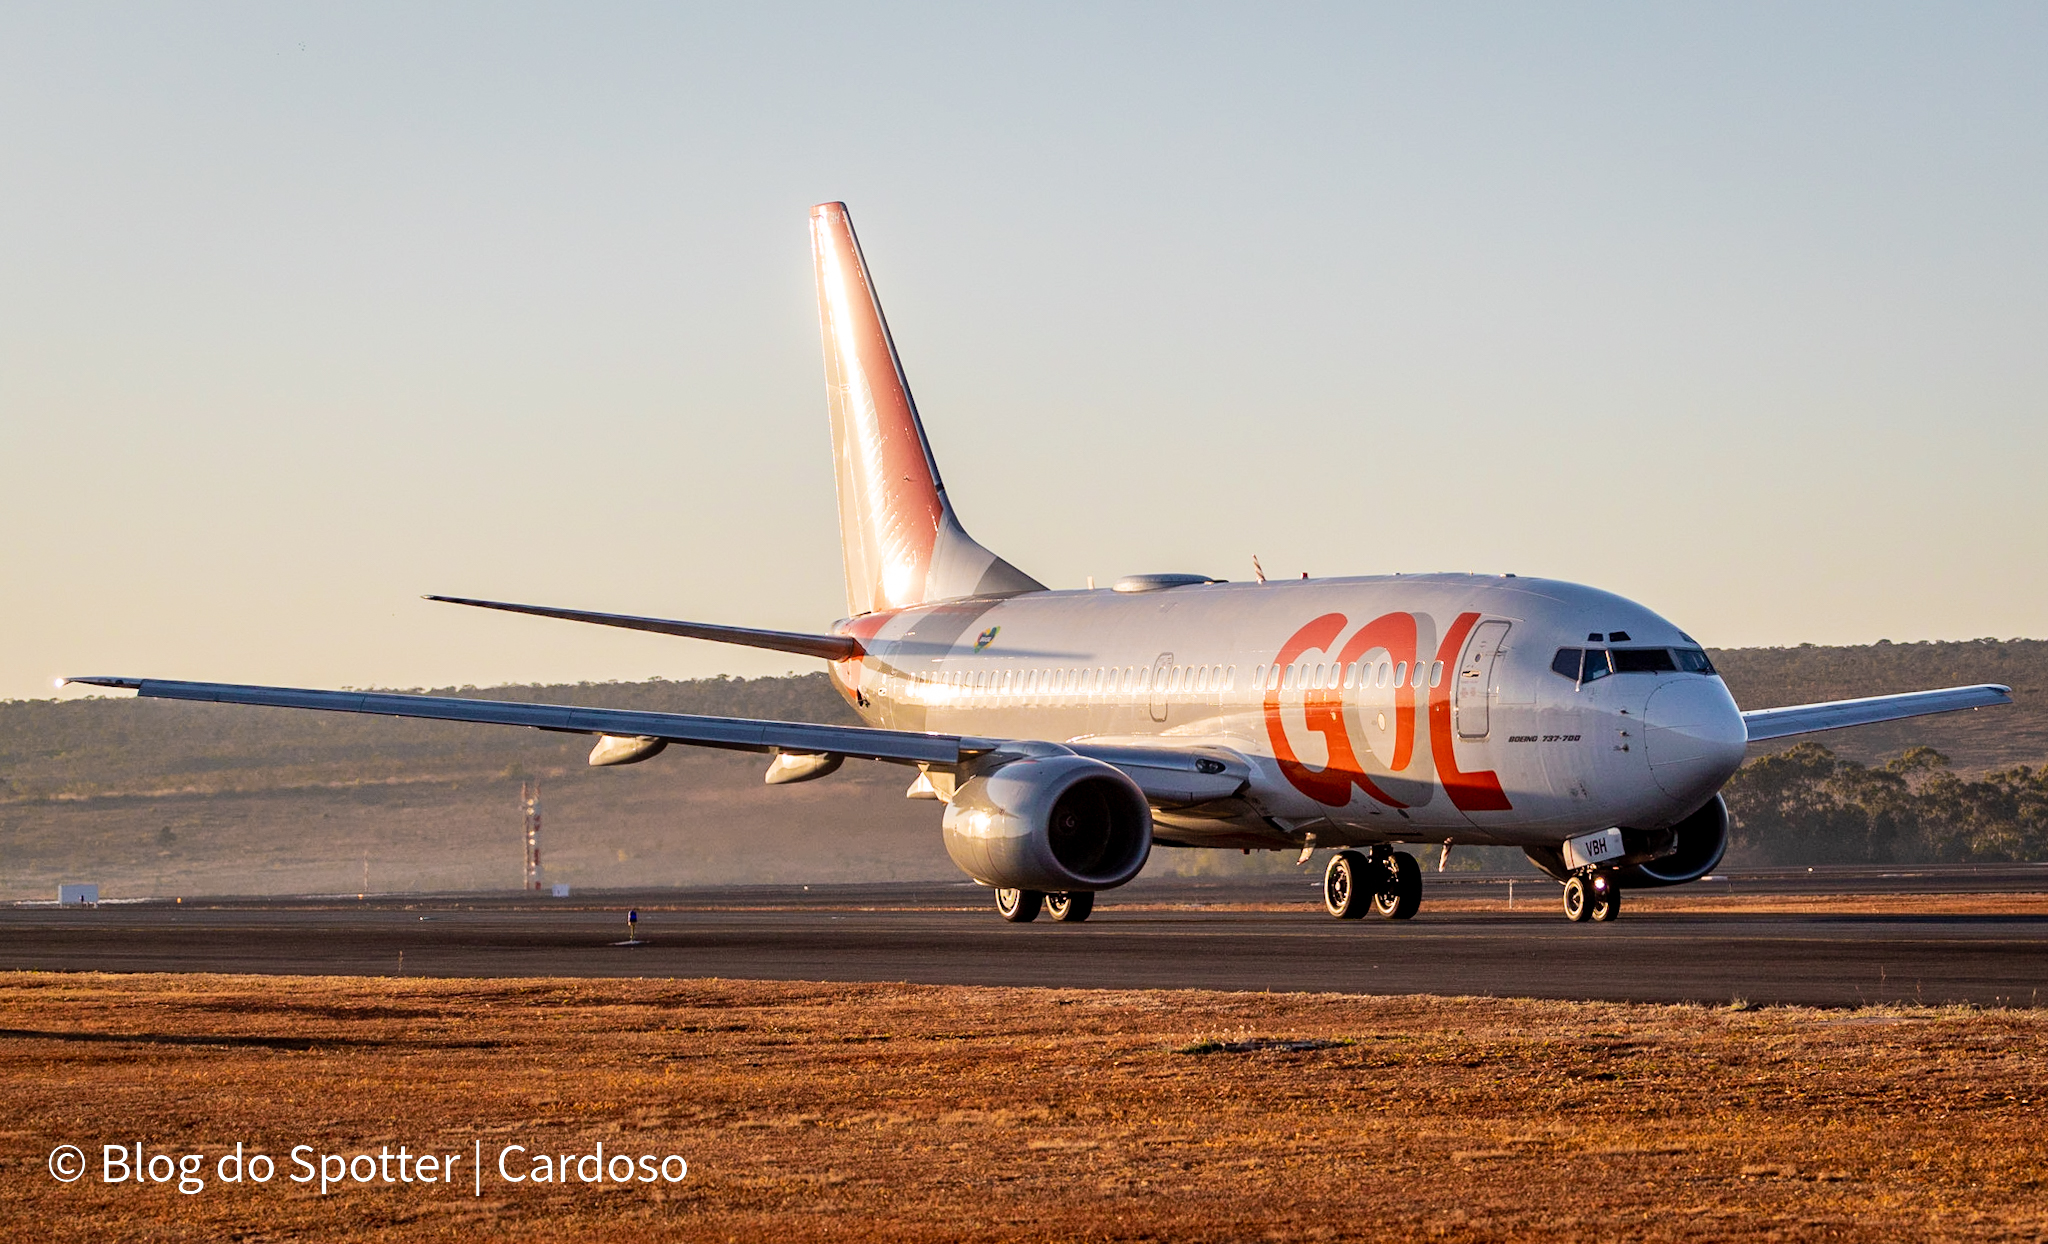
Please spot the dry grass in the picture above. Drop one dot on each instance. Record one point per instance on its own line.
(858, 1112)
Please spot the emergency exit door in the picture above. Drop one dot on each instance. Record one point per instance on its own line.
(1473, 698)
(1162, 669)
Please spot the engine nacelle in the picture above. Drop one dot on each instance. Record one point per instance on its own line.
(1699, 842)
(1684, 852)
(1053, 823)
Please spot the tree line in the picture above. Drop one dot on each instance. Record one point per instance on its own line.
(1806, 805)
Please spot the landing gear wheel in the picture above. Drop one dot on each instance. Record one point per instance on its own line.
(1399, 893)
(1578, 899)
(1019, 906)
(1348, 885)
(1605, 904)
(1070, 908)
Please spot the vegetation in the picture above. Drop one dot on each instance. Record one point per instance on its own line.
(850, 1113)
(1806, 805)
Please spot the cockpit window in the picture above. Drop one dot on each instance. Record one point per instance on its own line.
(1693, 661)
(1584, 665)
(1643, 660)
(1580, 664)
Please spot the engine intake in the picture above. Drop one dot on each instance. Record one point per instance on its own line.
(1700, 840)
(1056, 823)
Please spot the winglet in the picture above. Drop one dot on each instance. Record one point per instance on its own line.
(125, 684)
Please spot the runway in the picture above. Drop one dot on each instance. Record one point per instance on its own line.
(1153, 934)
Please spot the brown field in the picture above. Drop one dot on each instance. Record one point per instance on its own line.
(861, 1112)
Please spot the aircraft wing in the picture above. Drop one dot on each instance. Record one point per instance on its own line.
(732, 733)
(1778, 723)
(1169, 776)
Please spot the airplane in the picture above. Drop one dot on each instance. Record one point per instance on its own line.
(1070, 732)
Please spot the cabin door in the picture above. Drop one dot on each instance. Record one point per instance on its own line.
(1473, 698)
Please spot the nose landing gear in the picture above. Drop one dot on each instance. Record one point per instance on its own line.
(1388, 883)
(1592, 895)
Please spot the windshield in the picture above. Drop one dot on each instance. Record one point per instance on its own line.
(1584, 665)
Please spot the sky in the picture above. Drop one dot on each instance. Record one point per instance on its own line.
(307, 310)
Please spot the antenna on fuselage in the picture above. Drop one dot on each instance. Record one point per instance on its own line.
(1258, 571)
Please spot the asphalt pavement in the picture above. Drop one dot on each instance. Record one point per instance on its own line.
(1163, 933)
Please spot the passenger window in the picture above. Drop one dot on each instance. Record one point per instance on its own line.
(1385, 670)
(1287, 679)
(1436, 673)
(1566, 662)
(1400, 672)
(1230, 678)
(1597, 665)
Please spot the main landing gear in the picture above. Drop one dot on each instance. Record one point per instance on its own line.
(1591, 895)
(1023, 906)
(1384, 881)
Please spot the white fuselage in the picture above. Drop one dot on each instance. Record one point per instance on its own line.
(1405, 708)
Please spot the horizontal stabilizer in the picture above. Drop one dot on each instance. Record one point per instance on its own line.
(1778, 723)
(827, 647)
(731, 733)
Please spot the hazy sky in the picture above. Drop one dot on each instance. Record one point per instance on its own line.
(1740, 311)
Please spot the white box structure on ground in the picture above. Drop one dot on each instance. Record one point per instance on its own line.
(78, 895)
(561, 890)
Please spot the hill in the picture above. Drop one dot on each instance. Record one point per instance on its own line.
(158, 797)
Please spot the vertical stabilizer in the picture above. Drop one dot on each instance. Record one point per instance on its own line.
(902, 544)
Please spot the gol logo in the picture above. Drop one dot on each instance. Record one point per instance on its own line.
(1323, 708)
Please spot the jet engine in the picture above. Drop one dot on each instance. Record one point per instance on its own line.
(1056, 823)
(1684, 852)
(1698, 843)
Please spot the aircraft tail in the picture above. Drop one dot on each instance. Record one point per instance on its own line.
(902, 544)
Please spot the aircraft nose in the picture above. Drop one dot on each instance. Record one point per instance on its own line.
(1693, 737)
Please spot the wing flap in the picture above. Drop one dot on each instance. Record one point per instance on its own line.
(733, 733)
(1778, 723)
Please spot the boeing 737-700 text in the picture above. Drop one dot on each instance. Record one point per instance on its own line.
(1069, 732)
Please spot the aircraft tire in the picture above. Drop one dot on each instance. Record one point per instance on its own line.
(1578, 899)
(1400, 890)
(1348, 885)
(1070, 908)
(1605, 907)
(1019, 906)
